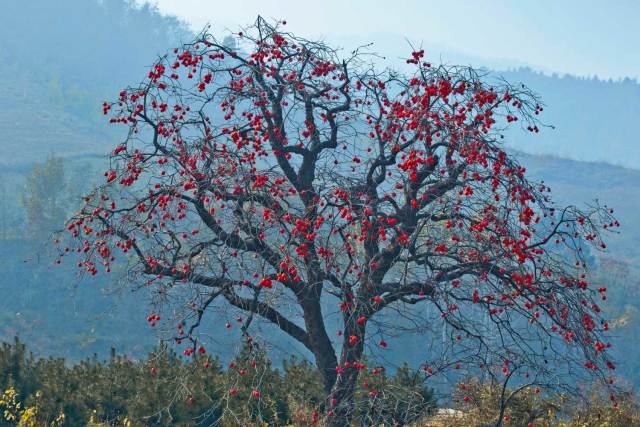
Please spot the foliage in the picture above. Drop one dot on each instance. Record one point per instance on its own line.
(599, 411)
(164, 389)
(476, 403)
(483, 402)
(396, 400)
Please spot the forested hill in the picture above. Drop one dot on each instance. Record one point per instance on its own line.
(60, 60)
(94, 45)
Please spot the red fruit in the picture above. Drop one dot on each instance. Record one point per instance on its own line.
(265, 283)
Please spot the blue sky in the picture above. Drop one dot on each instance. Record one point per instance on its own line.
(585, 37)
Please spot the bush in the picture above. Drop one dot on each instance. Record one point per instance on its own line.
(166, 390)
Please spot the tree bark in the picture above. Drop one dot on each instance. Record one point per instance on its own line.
(319, 341)
(341, 399)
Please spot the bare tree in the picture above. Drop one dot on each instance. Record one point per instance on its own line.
(292, 182)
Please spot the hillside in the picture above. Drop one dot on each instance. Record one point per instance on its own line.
(55, 77)
(33, 125)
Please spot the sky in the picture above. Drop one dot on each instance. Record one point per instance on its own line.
(580, 37)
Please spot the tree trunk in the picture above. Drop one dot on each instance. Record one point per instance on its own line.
(341, 403)
(320, 343)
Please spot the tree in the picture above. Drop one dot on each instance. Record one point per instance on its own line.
(278, 178)
(44, 197)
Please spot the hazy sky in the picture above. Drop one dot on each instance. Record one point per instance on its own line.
(584, 37)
